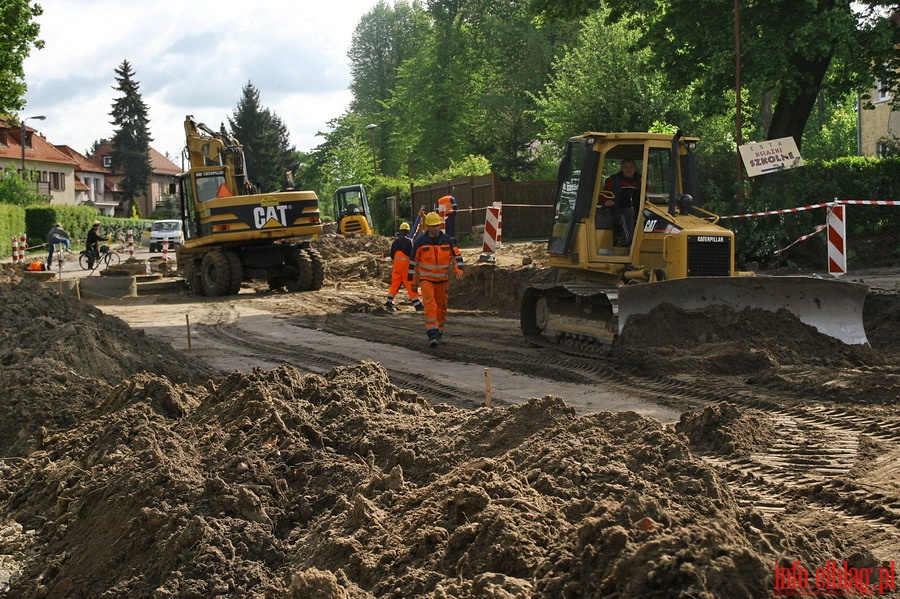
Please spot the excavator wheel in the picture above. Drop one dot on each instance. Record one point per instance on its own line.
(318, 269)
(298, 270)
(236, 270)
(215, 274)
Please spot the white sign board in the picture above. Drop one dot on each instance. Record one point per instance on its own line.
(770, 156)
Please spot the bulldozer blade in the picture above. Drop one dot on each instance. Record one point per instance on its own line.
(835, 308)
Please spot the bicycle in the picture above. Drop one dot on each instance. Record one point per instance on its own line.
(60, 253)
(89, 261)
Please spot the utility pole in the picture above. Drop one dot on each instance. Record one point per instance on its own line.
(371, 129)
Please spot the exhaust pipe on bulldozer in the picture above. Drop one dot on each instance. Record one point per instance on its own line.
(835, 308)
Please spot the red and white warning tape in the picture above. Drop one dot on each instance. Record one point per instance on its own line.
(818, 230)
(813, 206)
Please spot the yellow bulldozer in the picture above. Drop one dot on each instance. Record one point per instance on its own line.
(233, 233)
(677, 252)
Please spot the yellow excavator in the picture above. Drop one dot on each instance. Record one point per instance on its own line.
(233, 233)
(351, 209)
(677, 253)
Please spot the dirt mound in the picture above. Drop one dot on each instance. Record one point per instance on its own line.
(727, 430)
(272, 483)
(335, 246)
(720, 340)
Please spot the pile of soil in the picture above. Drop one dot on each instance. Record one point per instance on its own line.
(178, 482)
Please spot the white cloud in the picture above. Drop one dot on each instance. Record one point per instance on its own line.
(190, 58)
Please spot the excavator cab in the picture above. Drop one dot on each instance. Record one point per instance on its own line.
(351, 209)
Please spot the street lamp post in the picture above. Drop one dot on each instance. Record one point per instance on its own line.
(40, 117)
(371, 129)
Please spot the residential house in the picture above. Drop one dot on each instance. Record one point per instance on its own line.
(52, 171)
(90, 183)
(163, 180)
(879, 128)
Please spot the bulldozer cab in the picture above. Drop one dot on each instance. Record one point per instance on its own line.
(351, 210)
(587, 233)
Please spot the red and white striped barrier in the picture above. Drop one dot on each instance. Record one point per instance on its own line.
(130, 244)
(15, 250)
(837, 240)
(122, 241)
(23, 245)
(165, 251)
(493, 232)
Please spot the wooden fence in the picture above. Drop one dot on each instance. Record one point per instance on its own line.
(527, 205)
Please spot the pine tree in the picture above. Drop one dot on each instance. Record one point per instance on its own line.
(265, 140)
(131, 140)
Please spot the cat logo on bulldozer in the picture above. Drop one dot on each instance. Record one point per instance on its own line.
(265, 217)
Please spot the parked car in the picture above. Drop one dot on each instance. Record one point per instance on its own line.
(161, 230)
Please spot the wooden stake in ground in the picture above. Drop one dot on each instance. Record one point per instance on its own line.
(487, 387)
(187, 320)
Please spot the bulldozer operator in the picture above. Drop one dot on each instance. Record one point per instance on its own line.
(626, 188)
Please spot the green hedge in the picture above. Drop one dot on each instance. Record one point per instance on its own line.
(77, 220)
(12, 224)
(850, 178)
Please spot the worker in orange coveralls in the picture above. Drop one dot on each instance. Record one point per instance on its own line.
(434, 255)
(446, 208)
(401, 252)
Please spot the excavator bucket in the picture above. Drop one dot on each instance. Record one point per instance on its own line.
(835, 308)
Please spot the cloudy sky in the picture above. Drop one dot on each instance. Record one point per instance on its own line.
(190, 58)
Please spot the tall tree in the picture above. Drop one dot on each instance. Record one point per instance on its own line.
(131, 139)
(606, 85)
(265, 139)
(787, 49)
(20, 33)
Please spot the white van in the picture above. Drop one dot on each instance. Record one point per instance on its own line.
(165, 229)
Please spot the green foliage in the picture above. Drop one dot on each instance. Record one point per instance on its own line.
(17, 191)
(265, 139)
(607, 85)
(12, 224)
(790, 52)
(845, 178)
(76, 220)
(831, 130)
(131, 139)
(20, 34)
(467, 166)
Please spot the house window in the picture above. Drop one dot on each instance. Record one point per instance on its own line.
(882, 91)
(58, 181)
(107, 161)
(3, 141)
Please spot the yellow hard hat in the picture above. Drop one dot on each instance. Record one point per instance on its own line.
(432, 218)
(404, 226)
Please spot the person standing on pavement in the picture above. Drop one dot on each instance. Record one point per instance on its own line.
(56, 235)
(401, 252)
(434, 255)
(93, 244)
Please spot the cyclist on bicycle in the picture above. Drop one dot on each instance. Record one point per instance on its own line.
(56, 235)
(93, 244)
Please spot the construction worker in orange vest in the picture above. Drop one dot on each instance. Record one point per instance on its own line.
(401, 251)
(434, 255)
(446, 208)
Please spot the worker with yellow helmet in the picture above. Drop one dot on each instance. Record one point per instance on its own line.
(401, 252)
(434, 255)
